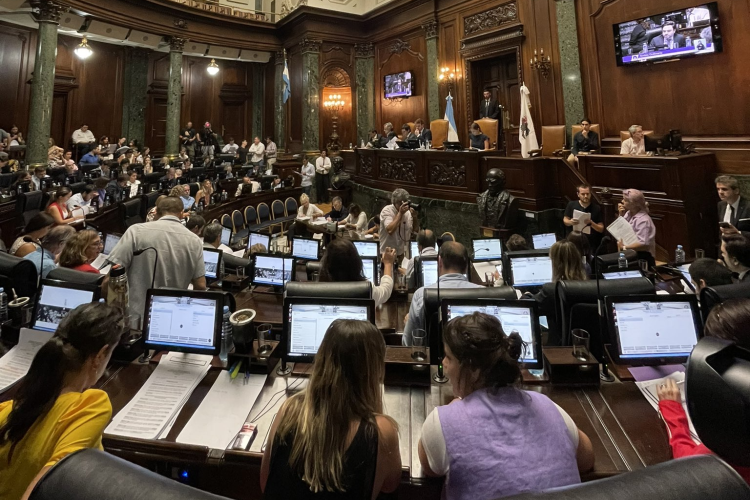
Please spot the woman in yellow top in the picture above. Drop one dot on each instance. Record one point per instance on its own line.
(54, 412)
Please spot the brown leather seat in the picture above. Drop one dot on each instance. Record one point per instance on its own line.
(439, 129)
(624, 134)
(553, 139)
(489, 128)
(411, 127)
(594, 126)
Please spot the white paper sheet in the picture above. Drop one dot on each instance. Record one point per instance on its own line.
(583, 220)
(225, 408)
(488, 267)
(239, 253)
(320, 221)
(161, 398)
(16, 362)
(649, 390)
(622, 230)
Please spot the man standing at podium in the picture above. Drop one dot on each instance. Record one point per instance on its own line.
(489, 108)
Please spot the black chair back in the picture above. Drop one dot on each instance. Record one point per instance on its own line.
(312, 268)
(131, 211)
(348, 290)
(713, 296)
(77, 187)
(74, 276)
(19, 274)
(232, 262)
(29, 204)
(6, 180)
(610, 261)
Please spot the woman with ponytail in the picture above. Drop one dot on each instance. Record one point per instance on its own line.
(58, 206)
(54, 412)
(496, 440)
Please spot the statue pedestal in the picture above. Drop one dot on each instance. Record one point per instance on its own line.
(345, 194)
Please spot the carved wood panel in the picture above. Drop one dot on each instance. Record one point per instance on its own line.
(398, 169)
(448, 173)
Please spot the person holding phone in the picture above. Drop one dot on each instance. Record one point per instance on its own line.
(396, 223)
(733, 209)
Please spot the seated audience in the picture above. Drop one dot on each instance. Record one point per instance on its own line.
(423, 134)
(732, 208)
(482, 363)
(356, 220)
(21, 178)
(477, 138)
(406, 133)
(195, 224)
(148, 167)
(387, 139)
(586, 141)
(84, 140)
(91, 158)
(55, 157)
(212, 239)
(516, 243)
(361, 455)
(708, 272)
(584, 248)
(373, 226)
(635, 145)
(100, 183)
(426, 242)
(81, 250)
(36, 180)
(727, 321)
(567, 262)
(341, 262)
(117, 188)
(169, 180)
(230, 147)
(14, 137)
(152, 214)
(54, 411)
(183, 156)
(104, 149)
(82, 199)
(452, 264)
(70, 165)
(257, 248)
(30, 239)
(735, 250)
(307, 209)
(376, 140)
(52, 244)
(246, 181)
(58, 207)
(133, 183)
(338, 212)
(205, 194)
(183, 193)
(635, 210)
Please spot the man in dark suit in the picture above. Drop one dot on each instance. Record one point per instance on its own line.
(489, 108)
(406, 133)
(388, 134)
(639, 35)
(423, 134)
(733, 208)
(668, 39)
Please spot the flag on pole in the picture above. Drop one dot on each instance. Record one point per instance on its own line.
(526, 132)
(452, 134)
(285, 77)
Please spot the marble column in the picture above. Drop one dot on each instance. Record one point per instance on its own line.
(135, 97)
(256, 127)
(174, 97)
(364, 78)
(47, 14)
(433, 90)
(279, 107)
(570, 63)
(310, 94)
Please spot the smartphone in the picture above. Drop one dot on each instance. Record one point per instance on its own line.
(724, 225)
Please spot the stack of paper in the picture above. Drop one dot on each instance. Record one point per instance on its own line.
(623, 231)
(152, 412)
(320, 221)
(649, 389)
(583, 219)
(225, 408)
(16, 362)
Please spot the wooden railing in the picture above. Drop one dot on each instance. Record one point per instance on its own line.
(217, 8)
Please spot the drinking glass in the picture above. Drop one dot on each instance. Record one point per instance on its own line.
(581, 340)
(264, 339)
(240, 272)
(400, 281)
(418, 338)
(644, 265)
(489, 279)
(699, 253)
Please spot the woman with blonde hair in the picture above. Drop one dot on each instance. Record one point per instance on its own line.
(307, 209)
(332, 439)
(205, 193)
(634, 209)
(567, 263)
(81, 250)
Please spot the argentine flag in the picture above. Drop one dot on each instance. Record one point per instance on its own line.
(452, 134)
(285, 77)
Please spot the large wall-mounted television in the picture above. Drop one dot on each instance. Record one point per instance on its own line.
(693, 31)
(399, 85)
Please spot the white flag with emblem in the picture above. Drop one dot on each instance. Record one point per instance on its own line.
(526, 132)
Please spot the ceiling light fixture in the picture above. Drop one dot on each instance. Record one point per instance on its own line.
(213, 68)
(83, 50)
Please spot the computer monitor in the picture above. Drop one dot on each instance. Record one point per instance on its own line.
(414, 248)
(487, 249)
(110, 240)
(653, 329)
(255, 238)
(428, 271)
(306, 321)
(305, 248)
(545, 240)
(685, 270)
(272, 269)
(226, 236)
(530, 269)
(212, 258)
(367, 248)
(57, 299)
(183, 321)
(618, 275)
(370, 268)
(514, 315)
(653, 143)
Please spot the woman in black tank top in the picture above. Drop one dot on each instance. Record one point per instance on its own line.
(311, 453)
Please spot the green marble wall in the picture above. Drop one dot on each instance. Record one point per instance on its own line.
(744, 185)
(174, 101)
(257, 103)
(364, 76)
(42, 89)
(278, 103)
(570, 63)
(433, 88)
(135, 98)
(310, 99)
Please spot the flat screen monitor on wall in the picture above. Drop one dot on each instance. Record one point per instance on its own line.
(688, 32)
(399, 85)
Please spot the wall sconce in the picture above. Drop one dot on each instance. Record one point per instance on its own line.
(541, 63)
(213, 68)
(83, 50)
(448, 77)
(333, 104)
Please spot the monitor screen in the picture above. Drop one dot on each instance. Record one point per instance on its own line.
(531, 271)
(685, 270)
(513, 318)
(308, 322)
(414, 248)
(367, 248)
(188, 322)
(429, 270)
(55, 302)
(654, 327)
(693, 31)
(272, 270)
(398, 85)
(109, 243)
(545, 240)
(618, 275)
(255, 238)
(370, 268)
(226, 236)
(305, 248)
(212, 261)
(487, 248)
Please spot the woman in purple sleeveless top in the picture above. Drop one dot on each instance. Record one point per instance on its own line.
(496, 440)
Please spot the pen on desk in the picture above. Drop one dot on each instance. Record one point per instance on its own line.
(247, 372)
(236, 369)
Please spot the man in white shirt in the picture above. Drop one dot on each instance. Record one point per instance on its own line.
(256, 149)
(230, 147)
(635, 145)
(270, 155)
(396, 223)
(307, 172)
(246, 181)
(36, 179)
(84, 140)
(322, 179)
(82, 199)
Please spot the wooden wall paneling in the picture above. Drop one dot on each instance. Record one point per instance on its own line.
(269, 110)
(156, 110)
(337, 77)
(448, 46)
(294, 104)
(549, 90)
(235, 95)
(17, 49)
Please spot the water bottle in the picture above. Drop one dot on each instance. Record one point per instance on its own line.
(117, 294)
(362, 145)
(679, 255)
(688, 42)
(622, 262)
(645, 47)
(226, 337)
(3, 305)
(224, 195)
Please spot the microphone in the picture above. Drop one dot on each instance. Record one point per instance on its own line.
(439, 376)
(604, 374)
(156, 259)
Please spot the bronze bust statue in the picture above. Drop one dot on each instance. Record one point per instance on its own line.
(498, 209)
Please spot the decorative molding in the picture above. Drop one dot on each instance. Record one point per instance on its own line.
(430, 28)
(398, 46)
(335, 76)
(364, 50)
(47, 11)
(398, 169)
(310, 45)
(177, 43)
(279, 54)
(475, 45)
(447, 174)
(365, 165)
(181, 23)
(489, 19)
